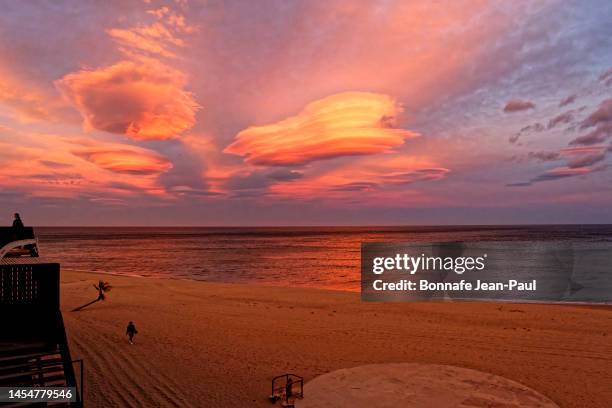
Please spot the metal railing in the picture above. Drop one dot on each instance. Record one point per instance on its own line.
(284, 390)
(80, 388)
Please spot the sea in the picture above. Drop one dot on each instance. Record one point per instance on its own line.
(319, 257)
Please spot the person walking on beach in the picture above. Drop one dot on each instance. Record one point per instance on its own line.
(131, 331)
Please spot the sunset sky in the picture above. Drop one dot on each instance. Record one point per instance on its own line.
(305, 112)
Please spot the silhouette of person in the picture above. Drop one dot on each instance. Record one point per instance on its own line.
(17, 223)
(131, 331)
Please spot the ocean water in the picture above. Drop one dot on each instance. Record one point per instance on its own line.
(323, 257)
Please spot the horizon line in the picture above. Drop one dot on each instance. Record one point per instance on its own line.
(327, 225)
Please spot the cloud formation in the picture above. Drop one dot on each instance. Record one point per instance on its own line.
(536, 127)
(27, 102)
(598, 135)
(567, 100)
(369, 176)
(349, 123)
(142, 101)
(410, 177)
(606, 77)
(601, 120)
(558, 174)
(517, 105)
(602, 115)
(544, 156)
(563, 118)
(124, 159)
(150, 39)
(584, 156)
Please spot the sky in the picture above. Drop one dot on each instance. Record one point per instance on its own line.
(335, 112)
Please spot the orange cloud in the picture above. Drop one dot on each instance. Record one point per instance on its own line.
(125, 159)
(349, 123)
(142, 101)
(51, 165)
(149, 39)
(27, 103)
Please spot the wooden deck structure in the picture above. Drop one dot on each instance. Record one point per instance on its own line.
(33, 345)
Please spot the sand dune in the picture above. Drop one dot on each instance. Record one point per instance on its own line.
(218, 345)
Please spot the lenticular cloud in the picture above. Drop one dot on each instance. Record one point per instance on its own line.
(124, 159)
(349, 123)
(142, 101)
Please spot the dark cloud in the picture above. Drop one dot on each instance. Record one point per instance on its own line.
(564, 118)
(191, 192)
(259, 180)
(601, 120)
(248, 181)
(54, 165)
(598, 135)
(602, 115)
(517, 105)
(285, 175)
(187, 168)
(544, 156)
(356, 186)
(246, 194)
(536, 127)
(57, 178)
(567, 100)
(606, 77)
(118, 185)
(558, 174)
(415, 176)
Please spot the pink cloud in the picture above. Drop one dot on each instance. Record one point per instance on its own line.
(49, 165)
(25, 101)
(153, 39)
(349, 123)
(142, 101)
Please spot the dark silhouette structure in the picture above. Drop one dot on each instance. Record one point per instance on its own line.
(33, 345)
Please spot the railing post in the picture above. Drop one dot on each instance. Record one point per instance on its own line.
(82, 384)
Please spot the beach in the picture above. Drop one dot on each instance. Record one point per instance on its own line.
(205, 344)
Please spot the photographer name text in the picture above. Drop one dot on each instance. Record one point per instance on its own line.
(462, 285)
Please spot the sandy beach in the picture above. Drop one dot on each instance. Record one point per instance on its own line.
(218, 345)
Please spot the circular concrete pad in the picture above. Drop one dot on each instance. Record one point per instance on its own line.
(417, 385)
